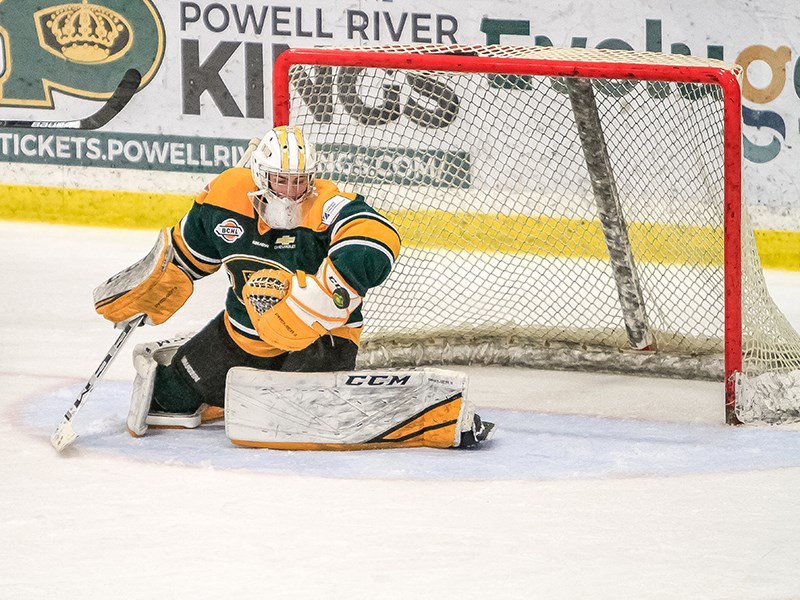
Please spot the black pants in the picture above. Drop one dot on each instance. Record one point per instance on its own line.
(197, 372)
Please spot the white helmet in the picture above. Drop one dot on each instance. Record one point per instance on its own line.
(283, 151)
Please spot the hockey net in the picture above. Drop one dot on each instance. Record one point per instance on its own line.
(559, 208)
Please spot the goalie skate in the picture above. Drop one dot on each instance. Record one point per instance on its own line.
(166, 420)
(146, 358)
(482, 431)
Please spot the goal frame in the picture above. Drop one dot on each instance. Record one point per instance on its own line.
(454, 62)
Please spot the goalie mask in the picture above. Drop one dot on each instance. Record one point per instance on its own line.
(282, 166)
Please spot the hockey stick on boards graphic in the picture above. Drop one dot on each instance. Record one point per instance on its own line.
(64, 434)
(118, 100)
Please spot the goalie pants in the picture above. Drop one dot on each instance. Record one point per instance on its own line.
(197, 372)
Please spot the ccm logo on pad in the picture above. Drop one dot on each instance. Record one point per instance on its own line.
(377, 380)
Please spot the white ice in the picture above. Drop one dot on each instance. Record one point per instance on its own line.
(596, 486)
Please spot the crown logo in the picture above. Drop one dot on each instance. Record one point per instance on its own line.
(83, 33)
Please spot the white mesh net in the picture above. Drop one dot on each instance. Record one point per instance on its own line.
(507, 241)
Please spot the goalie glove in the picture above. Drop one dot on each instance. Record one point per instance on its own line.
(154, 286)
(290, 312)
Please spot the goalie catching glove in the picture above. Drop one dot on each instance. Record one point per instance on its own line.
(290, 312)
(154, 286)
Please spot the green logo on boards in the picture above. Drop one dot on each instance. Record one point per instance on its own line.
(81, 48)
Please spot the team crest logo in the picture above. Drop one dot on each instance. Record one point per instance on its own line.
(80, 47)
(229, 230)
(83, 33)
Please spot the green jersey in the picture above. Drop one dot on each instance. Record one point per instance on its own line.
(222, 229)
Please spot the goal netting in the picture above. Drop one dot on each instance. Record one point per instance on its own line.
(559, 208)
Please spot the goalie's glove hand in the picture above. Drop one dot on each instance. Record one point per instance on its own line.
(154, 286)
(290, 312)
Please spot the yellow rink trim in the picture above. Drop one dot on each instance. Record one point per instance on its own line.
(96, 208)
(433, 229)
(580, 238)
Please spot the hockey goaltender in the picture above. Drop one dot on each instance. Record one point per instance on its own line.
(278, 363)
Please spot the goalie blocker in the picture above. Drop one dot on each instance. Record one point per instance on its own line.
(351, 410)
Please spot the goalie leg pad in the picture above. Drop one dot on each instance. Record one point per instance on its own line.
(146, 360)
(347, 410)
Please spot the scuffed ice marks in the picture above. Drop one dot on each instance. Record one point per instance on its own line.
(528, 446)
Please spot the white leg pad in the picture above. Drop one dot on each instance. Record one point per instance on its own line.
(146, 357)
(346, 410)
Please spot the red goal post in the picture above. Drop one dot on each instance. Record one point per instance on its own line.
(550, 64)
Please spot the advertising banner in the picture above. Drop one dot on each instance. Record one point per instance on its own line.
(207, 66)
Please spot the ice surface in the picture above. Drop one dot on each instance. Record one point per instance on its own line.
(600, 486)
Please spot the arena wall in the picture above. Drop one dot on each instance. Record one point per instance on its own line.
(207, 69)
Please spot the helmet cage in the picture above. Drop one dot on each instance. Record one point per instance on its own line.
(282, 166)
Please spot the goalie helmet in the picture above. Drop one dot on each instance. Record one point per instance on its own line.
(282, 166)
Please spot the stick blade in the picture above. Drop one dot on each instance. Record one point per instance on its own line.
(63, 436)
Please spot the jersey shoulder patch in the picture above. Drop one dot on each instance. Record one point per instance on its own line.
(331, 208)
(229, 190)
(328, 201)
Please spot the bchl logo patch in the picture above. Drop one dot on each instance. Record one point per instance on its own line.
(229, 230)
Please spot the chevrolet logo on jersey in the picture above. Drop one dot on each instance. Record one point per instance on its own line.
(81, 48)
(284, 242)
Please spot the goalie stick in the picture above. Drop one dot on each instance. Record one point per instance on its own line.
(64, 434)
(118, 100)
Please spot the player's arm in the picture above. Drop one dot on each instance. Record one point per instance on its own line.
(195, 252)
(292, 311)
(364, 246)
